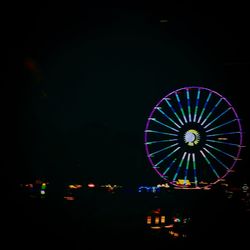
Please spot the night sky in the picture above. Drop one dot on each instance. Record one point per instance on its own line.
(82, 80)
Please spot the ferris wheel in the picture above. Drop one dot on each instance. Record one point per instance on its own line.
(193, 137)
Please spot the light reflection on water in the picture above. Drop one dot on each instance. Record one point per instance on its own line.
(176, 216)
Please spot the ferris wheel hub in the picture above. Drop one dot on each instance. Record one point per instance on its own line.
(192, 137)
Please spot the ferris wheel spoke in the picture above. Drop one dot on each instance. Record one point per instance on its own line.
(163, 124)
(210, 113)
(217, 117)
(179, 167)
(170, 166)
(216, 158)
(204, 107)
(209, 164)
(189, 106)
(180, 107)
(219, 126)
(196, 104)
(163, 149)
(219, 150)
(160, 141)
(160, 110)
(194, 170)
(174, 111)
(225, 143)
(186, 169)
(159, 132)
(166, 157)
(222, 134)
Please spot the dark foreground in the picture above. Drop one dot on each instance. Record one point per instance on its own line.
(113, 221)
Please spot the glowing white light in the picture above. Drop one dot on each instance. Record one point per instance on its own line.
(191, 137)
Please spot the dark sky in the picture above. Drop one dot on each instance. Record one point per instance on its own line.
(82, 80)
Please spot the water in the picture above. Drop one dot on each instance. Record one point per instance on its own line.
(116, 220)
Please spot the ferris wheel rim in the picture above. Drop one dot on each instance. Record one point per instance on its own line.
(211, 91)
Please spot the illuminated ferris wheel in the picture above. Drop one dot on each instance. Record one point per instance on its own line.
(193, 137)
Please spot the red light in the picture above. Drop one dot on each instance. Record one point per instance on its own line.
(91, 185)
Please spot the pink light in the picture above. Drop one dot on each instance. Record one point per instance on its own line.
(69, 198)
(91, 185)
